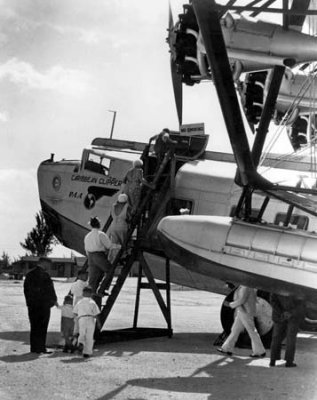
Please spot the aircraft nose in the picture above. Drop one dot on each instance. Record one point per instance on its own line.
(177, 228)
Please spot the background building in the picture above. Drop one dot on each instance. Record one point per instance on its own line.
(59, 268)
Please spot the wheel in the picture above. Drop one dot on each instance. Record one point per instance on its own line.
(263, 319)
(308, 325)
(310, 321)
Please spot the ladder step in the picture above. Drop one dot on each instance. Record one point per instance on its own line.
(145, 285)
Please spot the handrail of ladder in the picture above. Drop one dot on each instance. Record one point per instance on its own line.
(135, 219)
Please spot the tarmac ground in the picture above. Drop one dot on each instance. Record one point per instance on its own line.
(186, 366)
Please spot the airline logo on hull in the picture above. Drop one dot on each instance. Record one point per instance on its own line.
(101, 181)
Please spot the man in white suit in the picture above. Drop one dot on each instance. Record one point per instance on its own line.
(244, 304)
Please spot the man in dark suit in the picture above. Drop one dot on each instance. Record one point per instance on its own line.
(288, 312)
(40, 296)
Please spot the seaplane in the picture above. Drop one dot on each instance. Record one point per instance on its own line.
(251, 220)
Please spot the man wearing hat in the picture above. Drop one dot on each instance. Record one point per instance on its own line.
(97, 245)
(40, 296)
(162, 144)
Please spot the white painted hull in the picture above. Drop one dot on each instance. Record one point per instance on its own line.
(64, 194)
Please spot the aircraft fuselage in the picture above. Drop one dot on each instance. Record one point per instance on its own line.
(73, 191)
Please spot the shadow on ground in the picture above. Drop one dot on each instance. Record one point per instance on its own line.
(24, 337)
(214, 380)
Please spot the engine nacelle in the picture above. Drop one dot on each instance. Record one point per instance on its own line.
(252, 45)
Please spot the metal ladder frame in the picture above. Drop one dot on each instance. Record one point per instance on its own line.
(137, 255)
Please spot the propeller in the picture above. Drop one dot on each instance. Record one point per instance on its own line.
(178, 91)
(176, 77)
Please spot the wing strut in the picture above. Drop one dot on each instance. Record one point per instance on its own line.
(267, 112)
(262, 8)
(285, 15)
(297, 21)
(208, 21)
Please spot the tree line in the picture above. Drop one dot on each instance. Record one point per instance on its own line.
(38, 242)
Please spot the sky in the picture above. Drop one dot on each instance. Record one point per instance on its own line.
(63, 65)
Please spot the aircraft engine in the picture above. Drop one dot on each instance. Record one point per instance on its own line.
(298, 132)
(252, 93)
(188, 56)
(295, 101)
(252, 45)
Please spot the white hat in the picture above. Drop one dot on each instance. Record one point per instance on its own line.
(138, 163)
(122, 198)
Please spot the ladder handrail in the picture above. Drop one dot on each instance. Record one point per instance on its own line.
(107, 224)
(135, 219)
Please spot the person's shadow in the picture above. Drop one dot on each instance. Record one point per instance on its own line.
(14, 358)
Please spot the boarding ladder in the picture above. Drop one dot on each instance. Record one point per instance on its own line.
(162, 185)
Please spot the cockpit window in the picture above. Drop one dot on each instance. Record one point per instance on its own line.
(98, 164)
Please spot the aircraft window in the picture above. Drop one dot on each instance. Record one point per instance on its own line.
(76, 169)
(180, 206)
(97, 164)
(297, 221)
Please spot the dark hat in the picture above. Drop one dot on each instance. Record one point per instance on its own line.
(43, 262)
(68, 299)
(94, 222)
(87, 289)
(44, 259)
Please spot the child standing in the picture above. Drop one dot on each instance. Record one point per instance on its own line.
(77, 291)
(87, 312)
(67, 323)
